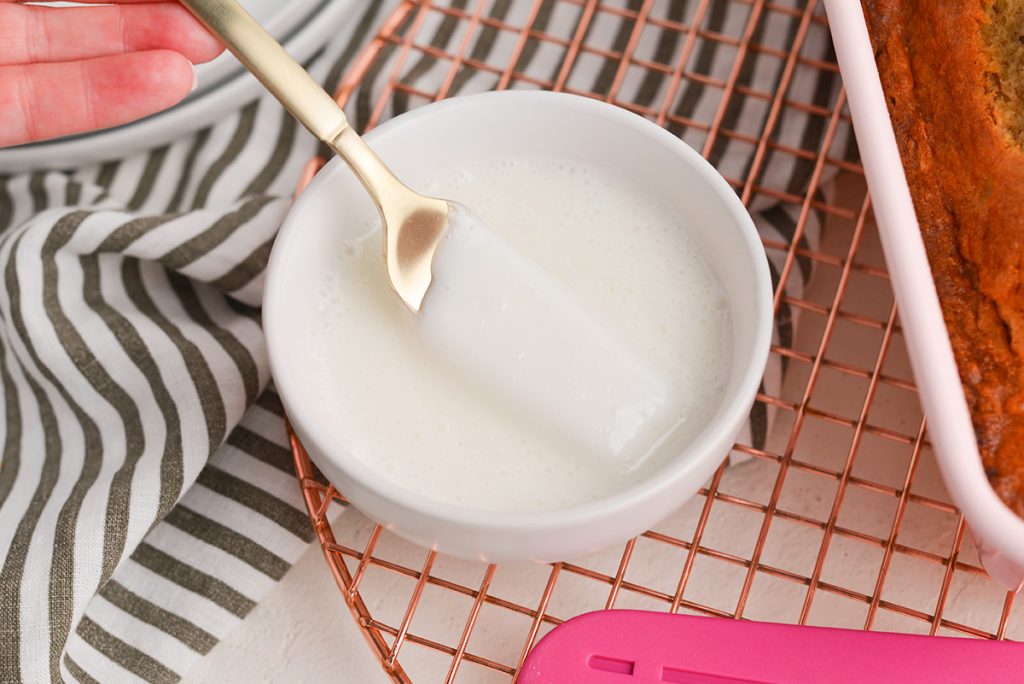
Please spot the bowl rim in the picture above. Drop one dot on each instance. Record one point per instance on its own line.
(733, 408)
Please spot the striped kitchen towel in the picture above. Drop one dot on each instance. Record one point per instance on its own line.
(147, 494)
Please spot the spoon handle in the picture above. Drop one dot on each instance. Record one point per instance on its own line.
(273, 66)
(412, 224)
(292, 85)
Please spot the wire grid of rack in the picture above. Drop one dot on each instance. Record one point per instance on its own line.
(855, 513)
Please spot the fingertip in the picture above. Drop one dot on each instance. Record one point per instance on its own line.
(204, 46)
(196, 41)
(168, 25)
(170, 72)
(144, 82)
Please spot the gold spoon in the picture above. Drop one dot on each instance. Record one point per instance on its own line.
(413, 224)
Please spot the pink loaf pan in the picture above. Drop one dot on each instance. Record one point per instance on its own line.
(998, 532)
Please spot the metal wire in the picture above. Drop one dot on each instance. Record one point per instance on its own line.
(856, 495)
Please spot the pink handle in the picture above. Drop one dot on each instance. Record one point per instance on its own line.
(634, 647)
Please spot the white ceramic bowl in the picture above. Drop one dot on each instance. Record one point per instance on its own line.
(479, 127)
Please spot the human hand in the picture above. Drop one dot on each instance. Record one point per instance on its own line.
(73, 69)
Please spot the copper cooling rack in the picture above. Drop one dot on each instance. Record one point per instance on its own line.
(839, 520)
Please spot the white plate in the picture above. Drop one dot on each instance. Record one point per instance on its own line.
(998, 532)
(189, 115)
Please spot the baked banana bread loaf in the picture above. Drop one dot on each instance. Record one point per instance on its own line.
(953, 75)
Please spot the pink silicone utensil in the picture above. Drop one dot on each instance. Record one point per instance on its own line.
(631, 647)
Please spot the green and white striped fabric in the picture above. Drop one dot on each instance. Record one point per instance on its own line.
(147, 495)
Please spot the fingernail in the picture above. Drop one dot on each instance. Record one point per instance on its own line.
(195, 79)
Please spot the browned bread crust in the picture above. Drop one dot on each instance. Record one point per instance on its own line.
(942, 76)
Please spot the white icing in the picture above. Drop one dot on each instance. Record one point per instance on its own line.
(556, 359)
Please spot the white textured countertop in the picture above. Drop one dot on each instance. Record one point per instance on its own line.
(301, 632)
